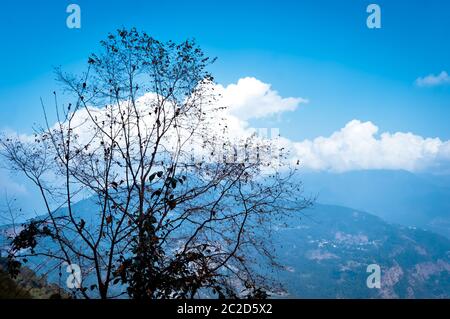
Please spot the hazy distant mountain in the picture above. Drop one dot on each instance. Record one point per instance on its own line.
(396, 196)
(327, 252)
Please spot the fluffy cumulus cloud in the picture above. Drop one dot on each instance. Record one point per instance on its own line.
(251, 98)
(358, 145)
(226, 120)
(433, 80)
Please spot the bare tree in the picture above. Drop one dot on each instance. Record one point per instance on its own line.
(11, 218)
(179, 213)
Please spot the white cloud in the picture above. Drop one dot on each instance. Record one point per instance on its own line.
(226, 119)
(433, 80)
(251, 98)
(358, 146)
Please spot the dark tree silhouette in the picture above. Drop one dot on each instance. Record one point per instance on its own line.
(178, 213)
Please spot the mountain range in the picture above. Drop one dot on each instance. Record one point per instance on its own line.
(402, 197)
(326, 253)
(325, 250)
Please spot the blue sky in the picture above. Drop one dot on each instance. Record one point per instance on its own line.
(320, 50)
